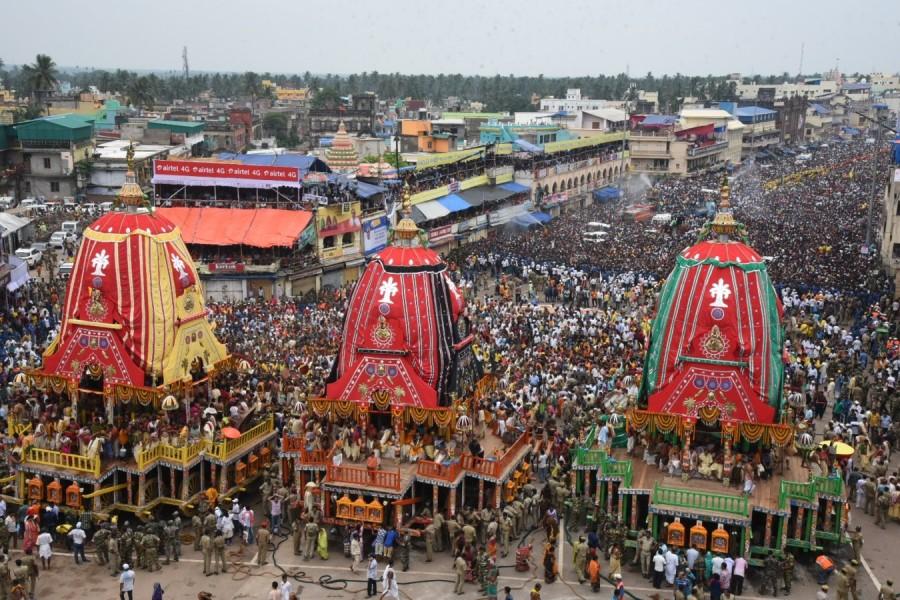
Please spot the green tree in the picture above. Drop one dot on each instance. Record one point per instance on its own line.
(40, 78)
(140, 94)
(252, 86)
(326, 98)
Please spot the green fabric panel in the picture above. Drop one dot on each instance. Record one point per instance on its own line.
(657, 332)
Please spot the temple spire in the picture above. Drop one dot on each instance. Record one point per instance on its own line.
(724, 224)
(130, 194)
(406, 229)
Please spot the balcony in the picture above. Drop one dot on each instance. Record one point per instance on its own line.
(59, 460)
(650, 134)
(173, 455)
(228, 449)
(701, 501)
(659, 153)
(354, 476)
(448, 474)
(707, 149)
(494, 468)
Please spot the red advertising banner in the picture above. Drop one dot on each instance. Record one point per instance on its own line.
(226, 267)
(216, 170)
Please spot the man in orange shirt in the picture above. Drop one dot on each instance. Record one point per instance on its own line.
(594, 572)
(824, 568)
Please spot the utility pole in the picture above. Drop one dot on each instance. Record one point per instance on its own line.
(874, 188)
(184, 63)
(880, 126)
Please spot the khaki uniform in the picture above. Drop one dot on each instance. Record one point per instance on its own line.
(296, 535)
(197, 526)
(429, 542)
(851, 578)
(843, 586)
(438, 532)
(580, 558)
(312, 533)
(262, 545)
(151, 551)
(206, 547)
(112, 548)
(460, 567)
(219, 552)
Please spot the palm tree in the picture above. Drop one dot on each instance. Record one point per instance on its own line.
(252, 87)
(41, 77)
(140, 94)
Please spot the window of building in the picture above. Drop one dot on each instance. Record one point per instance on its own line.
(54, 186)
(46, 163)
(595, 125)
(896, 250)
(28, 187)
(347, 239)
(328, 242)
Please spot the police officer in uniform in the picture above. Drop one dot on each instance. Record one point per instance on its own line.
(770, 574)
(151, 551)
(112, 548)
(403, 550)
(173, 542)
(219, 551)
(197, 526)
(101, 544)
(207, 548)
(787, 571)
(429, 542)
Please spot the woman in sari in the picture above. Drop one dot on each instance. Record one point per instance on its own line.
(549, 563)
(31, 534)
(322, 543)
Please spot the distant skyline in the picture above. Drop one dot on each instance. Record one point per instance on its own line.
(471, 37)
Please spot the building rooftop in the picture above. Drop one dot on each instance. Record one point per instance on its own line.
(752, 111)
(705, 113)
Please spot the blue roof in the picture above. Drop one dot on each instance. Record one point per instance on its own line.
(454, 203)
(659, 120)
(821, 109)
(527, 146)
(752, 111)
(518, 188)
(367, 190)
(302, 162)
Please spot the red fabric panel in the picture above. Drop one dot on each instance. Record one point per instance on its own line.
(699, 130)
(260, 228)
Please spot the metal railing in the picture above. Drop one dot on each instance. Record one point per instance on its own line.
(708, 149)
(362, 476)
(174, 454)
(60, 460)
(495, 468)
(435, 470)
(693, 499)
(225, 449)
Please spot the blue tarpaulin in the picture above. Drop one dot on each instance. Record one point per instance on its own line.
(526, 220)
(367, 190)
(518, 188)
(851, 130)
(454, 203)
(542, 217)
(606, 194)
(527, 146)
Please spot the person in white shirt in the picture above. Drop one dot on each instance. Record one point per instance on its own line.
(78, 536)
(45, 548)
(126, 583)
(391, 591)
(286, 588)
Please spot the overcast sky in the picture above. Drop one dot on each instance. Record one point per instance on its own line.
(524, 37)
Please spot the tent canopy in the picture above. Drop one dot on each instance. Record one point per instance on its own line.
(454, 203)
(260, 228)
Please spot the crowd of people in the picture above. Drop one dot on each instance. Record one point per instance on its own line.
(563, 324)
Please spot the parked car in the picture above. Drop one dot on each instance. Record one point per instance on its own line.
(59, 238)
(31, 256)
(105, 207)
(65, 269)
